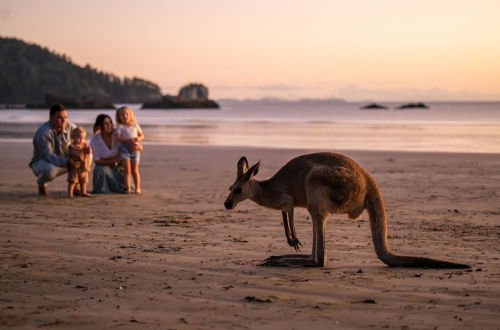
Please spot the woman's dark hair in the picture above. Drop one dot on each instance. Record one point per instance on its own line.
(99, 122)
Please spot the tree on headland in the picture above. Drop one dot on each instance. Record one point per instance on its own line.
(29, 72)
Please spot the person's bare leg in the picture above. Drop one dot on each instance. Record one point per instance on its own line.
(71, 189)
(126, 175)
(83, 186)
(137, 176)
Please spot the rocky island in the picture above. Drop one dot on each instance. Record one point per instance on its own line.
(419, 105)
(191, 96)
(373, 106)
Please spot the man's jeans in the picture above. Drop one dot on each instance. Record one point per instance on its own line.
(46, 172)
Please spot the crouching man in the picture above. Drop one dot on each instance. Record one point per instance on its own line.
(50, 147)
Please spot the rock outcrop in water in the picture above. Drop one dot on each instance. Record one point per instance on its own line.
(373, 106)
(194, 92)
(419, 105)
(191, 96)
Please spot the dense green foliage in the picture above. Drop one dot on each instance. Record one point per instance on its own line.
(28, 72)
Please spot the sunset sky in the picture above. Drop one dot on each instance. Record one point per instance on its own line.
(356, 50)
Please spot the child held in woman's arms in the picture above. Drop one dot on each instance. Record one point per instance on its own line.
(79, 162)
(129, 134)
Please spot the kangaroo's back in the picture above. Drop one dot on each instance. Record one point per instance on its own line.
(327, 168)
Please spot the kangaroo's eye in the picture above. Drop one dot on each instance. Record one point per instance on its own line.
(237, 190)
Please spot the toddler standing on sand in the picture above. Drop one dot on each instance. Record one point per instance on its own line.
(129, 133)
(79, 162)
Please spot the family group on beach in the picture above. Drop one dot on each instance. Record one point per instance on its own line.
(59, 147)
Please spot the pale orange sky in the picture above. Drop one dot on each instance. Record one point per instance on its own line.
(357, 50)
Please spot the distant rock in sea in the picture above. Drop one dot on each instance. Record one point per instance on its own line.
(419, 105)
(72, 103)
(191, 96)
(194, 92)
(373, 106)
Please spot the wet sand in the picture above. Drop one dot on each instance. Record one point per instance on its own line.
(174, 258)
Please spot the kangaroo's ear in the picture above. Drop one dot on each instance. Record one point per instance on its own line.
(255, 169)
(252, 171)
(242, 166)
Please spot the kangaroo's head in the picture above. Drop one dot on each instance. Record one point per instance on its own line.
(240, 189)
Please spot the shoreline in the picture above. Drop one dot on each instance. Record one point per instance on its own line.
(297, 149)
(175, 258)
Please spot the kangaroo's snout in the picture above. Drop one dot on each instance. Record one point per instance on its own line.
(228, 204)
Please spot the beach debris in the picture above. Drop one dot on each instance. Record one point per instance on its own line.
(162, 223)
(51, 324)
(169, 220)
(131, 246)
(366, 301)
(239, 240)
(257, 300)
(115, 257)
(360, 271)
(183, 320)
(81, 287)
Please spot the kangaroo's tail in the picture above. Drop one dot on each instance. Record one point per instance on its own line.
(378, 223)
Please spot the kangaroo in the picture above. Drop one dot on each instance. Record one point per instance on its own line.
(324, 184)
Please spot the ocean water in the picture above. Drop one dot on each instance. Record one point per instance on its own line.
(326, 125)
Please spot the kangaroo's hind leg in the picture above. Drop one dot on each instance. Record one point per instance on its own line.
(319, 220)
(289, 260)
(318, 256)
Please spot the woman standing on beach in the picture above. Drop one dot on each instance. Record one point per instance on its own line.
(108, 173)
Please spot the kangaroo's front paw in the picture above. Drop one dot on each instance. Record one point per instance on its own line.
(295, 243)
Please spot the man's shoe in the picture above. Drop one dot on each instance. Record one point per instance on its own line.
(42, 191)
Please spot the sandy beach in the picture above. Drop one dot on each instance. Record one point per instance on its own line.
(174, 258)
